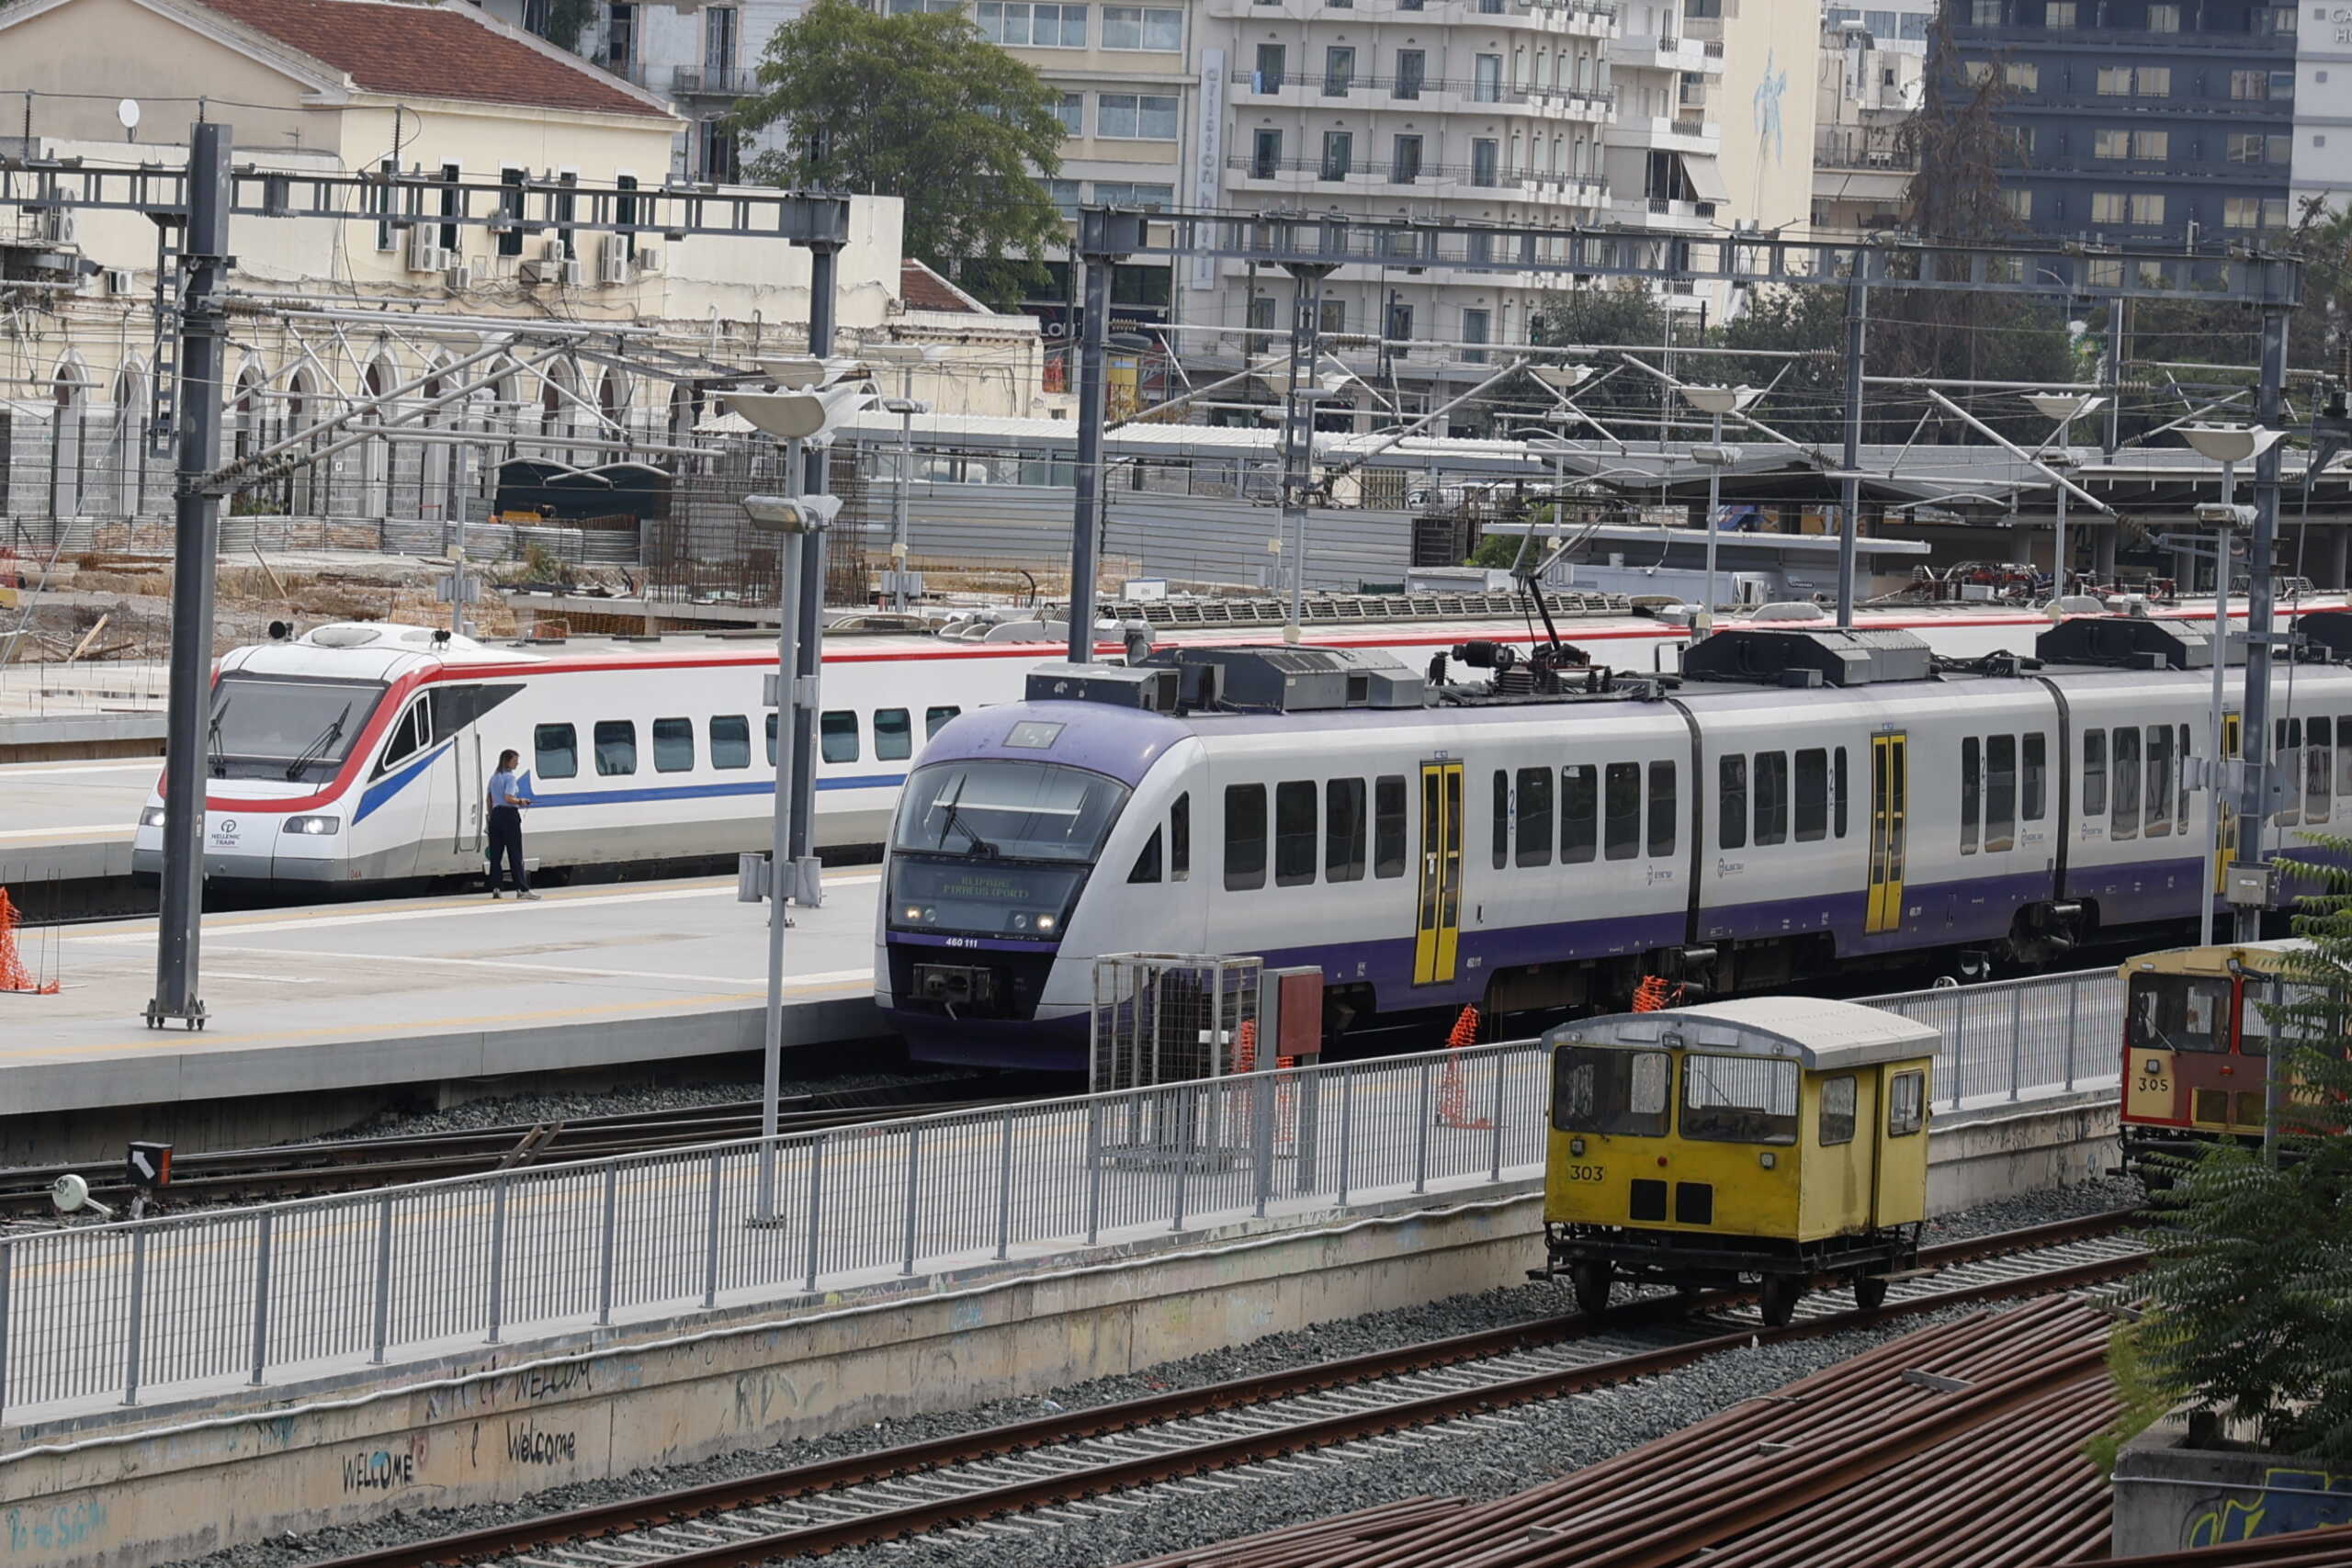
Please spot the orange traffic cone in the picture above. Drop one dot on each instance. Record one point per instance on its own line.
(14, 976)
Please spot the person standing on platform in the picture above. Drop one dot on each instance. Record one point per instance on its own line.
(507, 803)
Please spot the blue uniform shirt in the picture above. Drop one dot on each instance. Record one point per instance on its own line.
(502, 784)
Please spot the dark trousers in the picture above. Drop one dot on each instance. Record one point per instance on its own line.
(506, 839)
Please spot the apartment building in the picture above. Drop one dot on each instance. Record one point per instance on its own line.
(1869, 77)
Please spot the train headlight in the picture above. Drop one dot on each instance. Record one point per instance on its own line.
(152, 817)
(1576, 1147)
(1045, 922)
(314, 827)
(1021, 922)
(1767, 1159)
(914, 912)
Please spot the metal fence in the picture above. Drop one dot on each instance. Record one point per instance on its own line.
(333, 1283)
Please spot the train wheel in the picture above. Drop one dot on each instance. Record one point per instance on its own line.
(1782, 1293)
(1590, 1279)
(1869, 1292)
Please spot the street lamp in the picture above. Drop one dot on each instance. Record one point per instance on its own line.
(2228, 445)
(1715, 403)
(2066, 408)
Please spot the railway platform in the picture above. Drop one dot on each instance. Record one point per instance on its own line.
(319, 1014)
(68, 822)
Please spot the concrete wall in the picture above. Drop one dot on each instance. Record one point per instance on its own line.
(2170, 1498)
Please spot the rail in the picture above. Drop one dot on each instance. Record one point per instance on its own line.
(200, 1302)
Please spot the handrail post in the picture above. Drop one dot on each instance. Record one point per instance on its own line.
(605, 1253)
(710, 1232)
(2017, 1039)
(498, 1192)
(1095, 1108)
(1347, 1129)
(914, 1193)
(1181, 1099)
(1960, 1056)
(8, 1278)
(138, 1327)
(383, 1279)
(817, 1148)
(1495, 1158)
(1004, 1189)
(262, 1247)
(1261, 1136)
(1421, 1139)
(2073, 1007)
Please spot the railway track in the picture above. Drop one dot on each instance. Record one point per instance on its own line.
(1114, 1458)
(298, 1170)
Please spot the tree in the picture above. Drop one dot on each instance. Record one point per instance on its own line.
(920, 106)
(1626, 313)
(2252, 1283)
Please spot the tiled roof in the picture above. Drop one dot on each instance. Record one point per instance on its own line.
(924, 289)
(431, 50)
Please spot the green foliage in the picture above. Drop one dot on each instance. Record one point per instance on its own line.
(1497, 552)
(1625, 314)
(919, 107)
(2144, 1398)
(567, 20)
(2252, 1287)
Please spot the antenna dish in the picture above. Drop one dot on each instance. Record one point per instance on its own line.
(127, 112)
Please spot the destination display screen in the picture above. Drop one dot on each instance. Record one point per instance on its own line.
(977, 897)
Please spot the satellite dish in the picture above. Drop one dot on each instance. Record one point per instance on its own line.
(126, 111)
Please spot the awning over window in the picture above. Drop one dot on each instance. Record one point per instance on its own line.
(1706, 179)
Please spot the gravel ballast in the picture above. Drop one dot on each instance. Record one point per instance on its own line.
(1517, 1450)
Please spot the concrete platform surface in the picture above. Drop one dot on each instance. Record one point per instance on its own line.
(71, 820)
(428, 989)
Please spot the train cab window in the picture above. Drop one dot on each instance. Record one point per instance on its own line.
(2034, 782)
(2094, 773)
(1502, 818)
(1389, 825)
(1180, 838)
(1812, 795)
(1147, 868)
(1535, 816)
(1621, 808)
(933, 718)
(555, 751)
(837, 736)
(893, 735)
(1731, 803)
(674, 745)
(2318, 767)
(2177, 1012)
(731, 741)
(1245, 837)
(2000, 793)
(2158, 799)
(2123, 822)
(1294, 834)
(1907, 1104)
(1579, 813)
(1837, 792)
(1771, 797)
(1837, 1110)
(409, 735)
(1343, 826)
(1663, 813)
(1738, 1100)
(1618, 1093)
(1971, 792)
(771, 740)
(615, 747)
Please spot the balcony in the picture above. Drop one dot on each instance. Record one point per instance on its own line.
(713, 81)
(1385, 176)
(1872, 149)
(1665, 51)
(633, 72)
(2279, 46)
(1668, 135)
(1662, 213)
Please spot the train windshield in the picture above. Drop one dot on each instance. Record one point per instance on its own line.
(1618, 1092)
(266, 728)
(2178, 1013)
(992, 848)
(1739, 1100)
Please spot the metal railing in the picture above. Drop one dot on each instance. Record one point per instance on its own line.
(209, 1300)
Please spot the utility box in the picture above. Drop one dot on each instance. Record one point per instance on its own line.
(1291, 1017)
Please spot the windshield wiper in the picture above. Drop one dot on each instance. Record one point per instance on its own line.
(213, 753)
(953, 822)
(317, 747)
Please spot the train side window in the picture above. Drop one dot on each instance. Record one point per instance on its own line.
(1147, 861)
(1618, 1093)
(837, 735)
(555, 751)
(933, 718)
(2000, 793)
(1739, 1100)
(1665, 815)
(2094, 773)
(771, 740)
(1294, 834)
(1621, 808)
(893, 735)
(1579, 813)
(674, 745)
(1245, 837)
(2123, 822)
(1838, 1100)
(1180, 838)
(731, 741)
(1536, 816)
(2288, 733)
(2159, 796)
(1971, 790)
(1771, 797)
(1388, 831)
(1502, 818)
(1812, 795)
(2180, 778)
(1907, 1104)
(408, 736)
(1731, 803)
(1343, 830)
(1837, 792)
(615, 747)
(2344, 755)
(2318, 767)
(2034, 804)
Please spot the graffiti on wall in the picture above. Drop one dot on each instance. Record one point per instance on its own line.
(2290, 1500)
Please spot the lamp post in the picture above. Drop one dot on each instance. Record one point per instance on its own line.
(1715, 403)
(2066, 408)
(2228, 445)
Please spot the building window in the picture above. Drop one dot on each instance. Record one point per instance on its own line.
(2152, 146)
(1404, 170)
(2022, 75)
(1485, 155)
(2148, 210)
(1487, 84)
(1330, 315)
(1338, 71)
(2282, 83)
(1411, 68)
(2019, 202)
(1272, 65)
(2058, 16)
(1400, 328)
(2249, 84)
(2106, 207)
(2153, 82)
(1152, 198)
(1976, 72)
(1143, 26)
(1071, 112)
(1065, 194)
(1984, 12)
(1265, 161)
(510, 210)
(1338, 150)
(2115, 81)
(1476, 326)
(2164, 18)
(2110, 144)
(715, 163)
(1135, 117)
(718, 40)
(1017, 25)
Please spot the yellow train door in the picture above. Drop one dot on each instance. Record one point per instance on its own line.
(2225, 818)
(1439, 924)
(1890, 797)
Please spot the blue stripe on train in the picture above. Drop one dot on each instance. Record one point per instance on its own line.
(383, 789)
